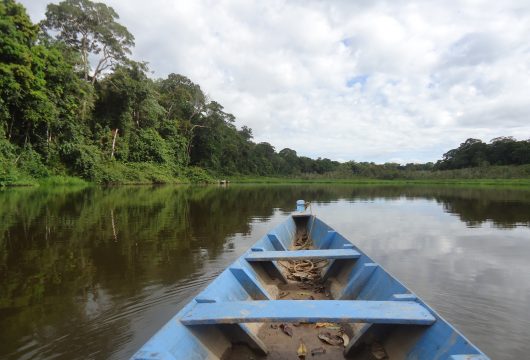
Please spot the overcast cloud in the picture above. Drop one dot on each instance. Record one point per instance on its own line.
(348, 80)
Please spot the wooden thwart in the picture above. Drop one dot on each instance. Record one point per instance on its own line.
(376, 312)
(302, 254)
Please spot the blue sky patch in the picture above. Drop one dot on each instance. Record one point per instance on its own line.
(359, 79)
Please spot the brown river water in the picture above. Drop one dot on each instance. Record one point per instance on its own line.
(92, 273)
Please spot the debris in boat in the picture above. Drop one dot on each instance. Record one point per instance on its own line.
(327, 325)
(304, 286)
(306, 272)
(345, 339)
(286, 329)
(319, 289)
(302, 351)
(283, 294)
(274, 326)
(318, 351)
(378, 351)
(330, 339)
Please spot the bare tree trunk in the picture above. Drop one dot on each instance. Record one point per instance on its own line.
(114, 143)
(11, 127)
(114, 232)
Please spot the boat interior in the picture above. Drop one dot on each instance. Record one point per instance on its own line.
(305, 292)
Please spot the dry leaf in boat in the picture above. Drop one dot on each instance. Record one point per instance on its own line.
(345, 339)
(302, 351)
(318, 351)
(378, 351)
(286, 329)
(324, 324)
(334, 340)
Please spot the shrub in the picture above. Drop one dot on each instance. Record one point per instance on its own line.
(198, 175)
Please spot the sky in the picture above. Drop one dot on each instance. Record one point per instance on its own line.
(358, 80)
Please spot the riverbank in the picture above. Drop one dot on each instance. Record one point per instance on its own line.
(364, 181)
(148, 174)
(76, 181)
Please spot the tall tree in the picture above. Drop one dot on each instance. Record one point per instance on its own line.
(37, 86)
(92, 29)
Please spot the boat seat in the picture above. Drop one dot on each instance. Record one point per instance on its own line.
(336, 254)
(347, 311)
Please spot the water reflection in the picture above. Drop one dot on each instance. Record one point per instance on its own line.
(92, 273)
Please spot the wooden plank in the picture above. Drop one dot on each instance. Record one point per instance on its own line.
(238, 332)
(357, 281)
(273, 270)
(276, 243)
(250, 283)
(302, 254)
(404, 297)
(376, 312)
(336, 265)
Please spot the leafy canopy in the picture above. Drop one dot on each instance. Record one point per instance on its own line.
(90, 28)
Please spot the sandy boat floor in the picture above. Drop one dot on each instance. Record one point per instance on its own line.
(282, 346)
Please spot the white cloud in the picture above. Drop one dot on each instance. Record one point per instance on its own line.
(347, 80)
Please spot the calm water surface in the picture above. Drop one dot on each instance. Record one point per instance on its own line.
(93, 273)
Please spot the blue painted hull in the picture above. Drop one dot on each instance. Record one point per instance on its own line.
(245, 296)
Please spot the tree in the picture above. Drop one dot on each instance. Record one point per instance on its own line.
(38, 88)
(90, 28)
(182, 98)
(291, 162)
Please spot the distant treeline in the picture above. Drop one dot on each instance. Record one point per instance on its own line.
(474, 152)
(73, 103)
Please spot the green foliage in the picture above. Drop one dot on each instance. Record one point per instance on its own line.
(91, 29)
(148, 146)
(196, 175)
(83, 160)
(473, 153)
(30, 162)
(113, 124)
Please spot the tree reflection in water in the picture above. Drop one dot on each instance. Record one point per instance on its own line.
(80, 268)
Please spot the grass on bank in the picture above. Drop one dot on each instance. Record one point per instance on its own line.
(366, 181)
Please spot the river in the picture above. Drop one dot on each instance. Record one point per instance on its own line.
(92, 273)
